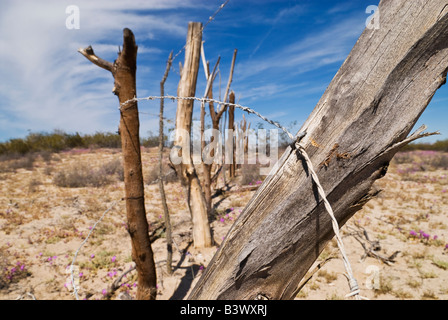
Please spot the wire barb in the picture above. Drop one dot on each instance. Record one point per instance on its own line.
(243, 108)
(296, 144)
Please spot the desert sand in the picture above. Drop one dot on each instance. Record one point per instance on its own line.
(397, 244)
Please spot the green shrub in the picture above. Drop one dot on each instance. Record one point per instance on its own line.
(102, 140)
(58, 141)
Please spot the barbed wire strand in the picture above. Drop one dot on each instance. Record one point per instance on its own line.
(75, 290)
(353, 284)
(243, 108)
(210, 19)
(354, 288)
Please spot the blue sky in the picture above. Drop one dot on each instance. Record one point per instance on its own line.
(288, 53)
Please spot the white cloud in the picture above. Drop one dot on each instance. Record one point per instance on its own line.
(330, 45)
(49, 84)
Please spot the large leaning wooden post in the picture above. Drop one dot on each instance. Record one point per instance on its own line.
(361, 121)
(124, 72)
(186, 171)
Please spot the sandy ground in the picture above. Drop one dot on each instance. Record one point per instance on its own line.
(397, 244)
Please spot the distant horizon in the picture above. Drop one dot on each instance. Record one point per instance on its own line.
(421, 141)
(288, 53)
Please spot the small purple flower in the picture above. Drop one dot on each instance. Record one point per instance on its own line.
(413, 233)
(222, 220)
(435, 237)
(114, 258)
(104, 292)
(92, 256)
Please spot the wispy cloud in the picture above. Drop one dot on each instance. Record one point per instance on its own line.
(49, 84)
(294, 11)
(330, 45)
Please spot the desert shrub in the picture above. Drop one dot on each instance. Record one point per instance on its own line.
(441, 145)
(58, 141)
(46, 156)
(80, 175)
(153, 174)
(151, 141)
(33, 185)
(114, 167)
(439, 161)
(54, 142)
(17, 146)
(11, 271)
(250, 174)
(102, 140)
(15, 163)
(423, 159)
(403, 157)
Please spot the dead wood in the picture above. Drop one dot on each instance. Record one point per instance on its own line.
(186, 170)
(124, 73)
(368, 110)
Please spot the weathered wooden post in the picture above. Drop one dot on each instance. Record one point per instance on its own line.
(166, 213)
(185, 170)
(361, 121)
(124, 72)
(231, 129)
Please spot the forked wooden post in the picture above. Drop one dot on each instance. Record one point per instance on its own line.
(361, 121)
(186, 171)
(124, 72)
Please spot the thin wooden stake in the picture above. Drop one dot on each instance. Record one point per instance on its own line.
(166, 214)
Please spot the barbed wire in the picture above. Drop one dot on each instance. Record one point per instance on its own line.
(354, 288)
(353, 284)
(243, 108)
(75, 289)
(210, 19)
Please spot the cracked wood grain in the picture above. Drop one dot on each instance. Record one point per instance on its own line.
(368, 111)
